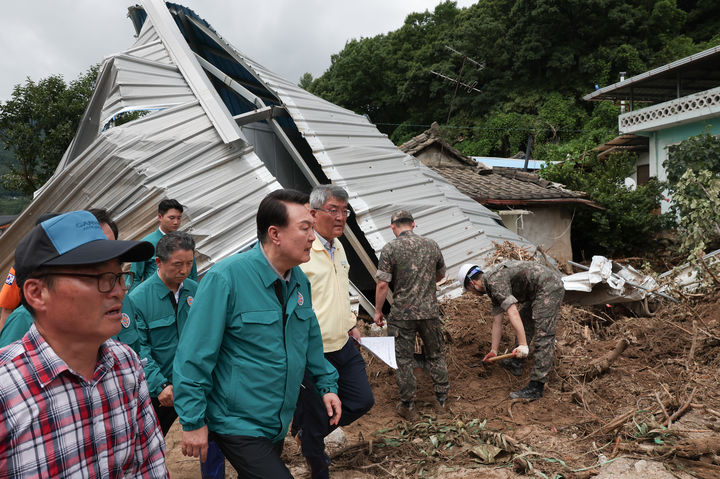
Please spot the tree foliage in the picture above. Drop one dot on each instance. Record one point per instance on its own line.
(305, 81)
(37, 124)
(693, 177)
(698, 196)
(540, 57)
(696, 153)
(628, 220)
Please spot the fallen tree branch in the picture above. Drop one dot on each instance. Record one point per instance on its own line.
(619, 421)
(599, 366)
(355, 448)
(707, 269)
(687, 448)
(693, 345)
(662, 406)
(682, 409)
(699, 469)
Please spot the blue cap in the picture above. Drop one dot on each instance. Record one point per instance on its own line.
(72, 239)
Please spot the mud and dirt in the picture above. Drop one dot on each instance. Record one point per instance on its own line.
(657, 407)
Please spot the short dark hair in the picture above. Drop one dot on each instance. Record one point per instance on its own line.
(48, 280)
(403, 222)
(167, 205)
(104, 217)
(171, 242)
(273, 210)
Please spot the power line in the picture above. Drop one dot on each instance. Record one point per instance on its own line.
(484, 128)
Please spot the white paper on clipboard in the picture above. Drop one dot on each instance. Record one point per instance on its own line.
(381, 346)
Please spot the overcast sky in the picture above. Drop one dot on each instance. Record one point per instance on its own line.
(44, 37)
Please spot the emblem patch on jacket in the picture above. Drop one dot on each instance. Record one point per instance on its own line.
(190, 300)
(301, 300)
(125, 320)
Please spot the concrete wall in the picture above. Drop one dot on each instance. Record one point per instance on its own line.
(547, 227)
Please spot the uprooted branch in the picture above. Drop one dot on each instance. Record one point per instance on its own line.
(690, 448)
(599, 366)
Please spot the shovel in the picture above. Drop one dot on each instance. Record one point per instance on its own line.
(498, 358)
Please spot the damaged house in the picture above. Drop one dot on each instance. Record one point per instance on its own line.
(664, 106)
(218, 131)
(538, 210)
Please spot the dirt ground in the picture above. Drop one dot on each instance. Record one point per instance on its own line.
(580, 428)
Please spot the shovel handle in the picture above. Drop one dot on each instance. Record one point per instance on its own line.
(502, 356)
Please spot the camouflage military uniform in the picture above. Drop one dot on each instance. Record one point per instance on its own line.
(412, 263)
(538, 292)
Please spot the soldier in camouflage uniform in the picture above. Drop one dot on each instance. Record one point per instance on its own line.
(530, 294)
(413, 264)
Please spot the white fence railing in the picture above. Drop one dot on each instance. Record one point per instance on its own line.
(693, 107)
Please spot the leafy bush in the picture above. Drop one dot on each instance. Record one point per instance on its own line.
(628, 220)
(696, 153)
(698, 196)
(693, 172)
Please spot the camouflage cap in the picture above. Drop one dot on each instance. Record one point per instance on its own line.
(401, 215)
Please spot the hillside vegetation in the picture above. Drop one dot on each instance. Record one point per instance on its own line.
(540, 57)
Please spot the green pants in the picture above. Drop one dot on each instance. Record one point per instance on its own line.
(431, 333)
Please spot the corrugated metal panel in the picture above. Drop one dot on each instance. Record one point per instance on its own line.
(184, 58)
(182, 152)
(149, 46)
(138, 83)
(380, 178)
(173, 153)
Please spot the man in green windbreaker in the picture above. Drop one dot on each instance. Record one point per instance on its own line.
(169, 218)
(248, 340)
(162, 303)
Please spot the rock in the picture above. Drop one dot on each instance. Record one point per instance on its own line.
(626, 468)
(336, 439)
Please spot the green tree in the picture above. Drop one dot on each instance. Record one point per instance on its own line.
(305, 81)
(701, 152)
(693, 177)
(627, 221)
(540, 57)
(37, 124)
(697, 195)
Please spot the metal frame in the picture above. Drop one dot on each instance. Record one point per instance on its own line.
(266, 113)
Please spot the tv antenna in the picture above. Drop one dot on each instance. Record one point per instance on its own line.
(469, 86)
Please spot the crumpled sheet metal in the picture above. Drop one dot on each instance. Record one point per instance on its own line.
(689, 277)
(606, 282)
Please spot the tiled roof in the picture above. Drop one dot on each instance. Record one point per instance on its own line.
(508, 186)
(626, 142)
(429, 137)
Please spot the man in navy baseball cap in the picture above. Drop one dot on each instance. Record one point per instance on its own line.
(65, 382)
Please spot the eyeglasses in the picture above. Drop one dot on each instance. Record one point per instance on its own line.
(337, 213)
(105, 281)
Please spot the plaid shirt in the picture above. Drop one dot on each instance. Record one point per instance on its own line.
(54, 423)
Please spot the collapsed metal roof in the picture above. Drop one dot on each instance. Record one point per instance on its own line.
(219, 132)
